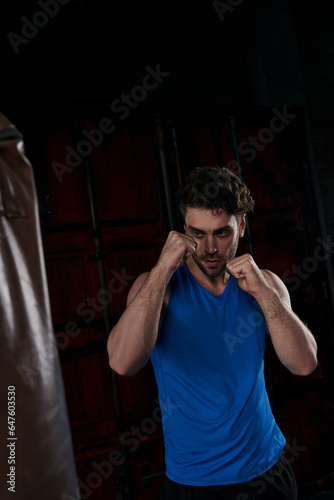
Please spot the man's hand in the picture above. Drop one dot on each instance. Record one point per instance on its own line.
(177, 249)
(250, 277)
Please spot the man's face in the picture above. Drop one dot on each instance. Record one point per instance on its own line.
(217, 238)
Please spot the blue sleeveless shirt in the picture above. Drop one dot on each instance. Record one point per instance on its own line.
(208, 363)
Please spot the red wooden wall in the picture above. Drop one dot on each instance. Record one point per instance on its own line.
(132, 233)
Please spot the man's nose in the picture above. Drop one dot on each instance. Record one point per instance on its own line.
(210, 247)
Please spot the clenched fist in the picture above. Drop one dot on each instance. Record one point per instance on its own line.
(250, 277)
(176, 251)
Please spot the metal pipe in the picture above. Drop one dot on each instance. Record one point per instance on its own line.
(235, 147)
(160, 137)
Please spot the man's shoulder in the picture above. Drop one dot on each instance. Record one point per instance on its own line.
(275, 282)
(271, 277)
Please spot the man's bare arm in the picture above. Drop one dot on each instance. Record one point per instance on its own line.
(292, 340)
(132, 339)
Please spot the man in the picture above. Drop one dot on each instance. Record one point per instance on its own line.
(201, 315)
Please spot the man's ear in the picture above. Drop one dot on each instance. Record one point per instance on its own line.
(242, 226)
(184, 227)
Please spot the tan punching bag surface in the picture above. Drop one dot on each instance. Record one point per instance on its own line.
(37, 460)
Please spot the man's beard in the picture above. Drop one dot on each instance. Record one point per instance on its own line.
(214, 272)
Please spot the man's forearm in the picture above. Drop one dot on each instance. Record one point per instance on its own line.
(292, 340)
(132, 339)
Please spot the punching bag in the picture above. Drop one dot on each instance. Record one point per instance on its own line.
(37, 460)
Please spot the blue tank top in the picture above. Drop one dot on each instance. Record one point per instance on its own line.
(208, 363)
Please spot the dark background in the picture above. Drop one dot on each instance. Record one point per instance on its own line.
(231, 66)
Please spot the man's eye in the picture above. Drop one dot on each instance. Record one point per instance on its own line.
(223, 233)
(197, 234)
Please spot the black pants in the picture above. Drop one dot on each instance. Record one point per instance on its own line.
(278, 483)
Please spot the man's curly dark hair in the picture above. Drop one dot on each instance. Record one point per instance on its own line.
(215, 188)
